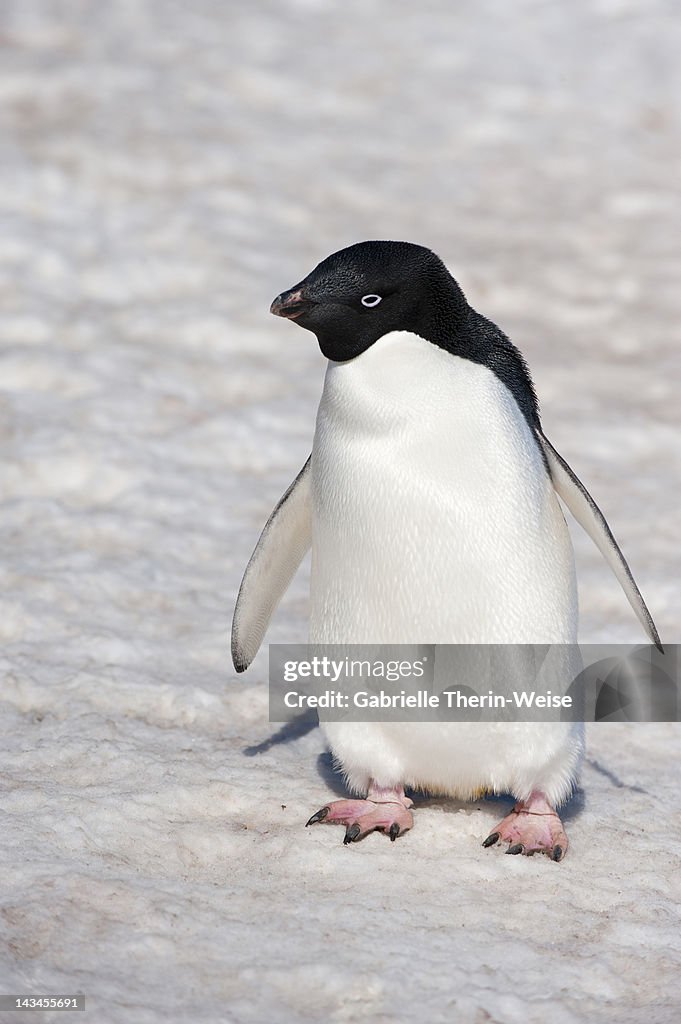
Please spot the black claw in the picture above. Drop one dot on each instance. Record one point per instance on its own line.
(394, 831)
(319, 816)
(557, 853)
(516, 848)
(491, 839)
(351, 833)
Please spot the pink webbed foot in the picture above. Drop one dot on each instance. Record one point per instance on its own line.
(384, 810)
(532, 827)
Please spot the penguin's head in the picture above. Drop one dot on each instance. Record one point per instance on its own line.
(358, 294)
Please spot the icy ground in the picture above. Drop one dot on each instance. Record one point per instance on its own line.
(167, 168)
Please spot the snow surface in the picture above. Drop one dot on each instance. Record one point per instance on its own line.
(167, 169)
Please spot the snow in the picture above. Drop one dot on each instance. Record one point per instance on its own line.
(168, 169)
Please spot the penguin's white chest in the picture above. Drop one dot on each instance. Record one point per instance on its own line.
(434, 518)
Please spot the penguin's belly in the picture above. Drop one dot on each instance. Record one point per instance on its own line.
(434, 521)
(434, 518)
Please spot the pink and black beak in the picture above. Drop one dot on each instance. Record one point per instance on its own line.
(291, 304)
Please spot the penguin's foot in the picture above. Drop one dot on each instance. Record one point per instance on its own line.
(384, 810)
(532, 827)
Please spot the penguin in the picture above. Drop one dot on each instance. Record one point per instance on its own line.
(431, 504)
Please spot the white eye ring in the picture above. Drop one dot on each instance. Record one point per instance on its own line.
(371, 300)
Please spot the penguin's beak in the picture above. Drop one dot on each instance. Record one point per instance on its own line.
(291, 304)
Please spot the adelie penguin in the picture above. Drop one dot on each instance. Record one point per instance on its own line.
(430, 501)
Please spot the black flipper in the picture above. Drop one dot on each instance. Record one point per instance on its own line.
(587, 513)
(283, 544)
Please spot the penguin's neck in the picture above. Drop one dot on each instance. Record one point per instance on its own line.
(450, 323)
(445, 318)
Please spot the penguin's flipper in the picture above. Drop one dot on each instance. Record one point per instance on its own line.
(283, 544)
(587, 513)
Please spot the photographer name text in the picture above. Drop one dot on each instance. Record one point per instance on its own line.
(424, 699)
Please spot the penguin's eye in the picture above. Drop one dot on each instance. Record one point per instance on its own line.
(371, 300)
